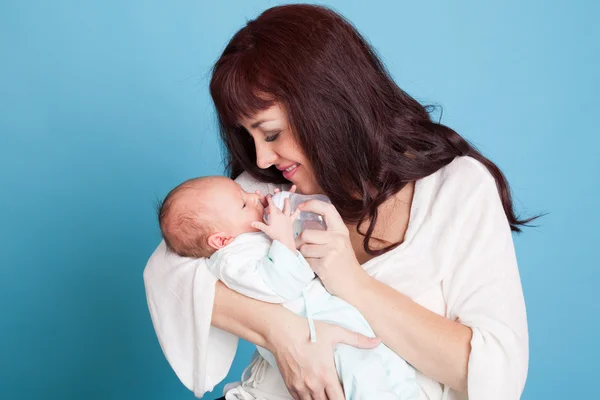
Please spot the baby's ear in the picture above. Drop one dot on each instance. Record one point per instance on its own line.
(219, 240)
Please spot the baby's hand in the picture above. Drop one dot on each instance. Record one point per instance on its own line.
(280, 225)
(263, 198)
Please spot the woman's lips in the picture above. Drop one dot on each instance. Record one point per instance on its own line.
(288, 174)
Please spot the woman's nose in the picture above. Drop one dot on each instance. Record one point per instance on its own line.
(264, 156)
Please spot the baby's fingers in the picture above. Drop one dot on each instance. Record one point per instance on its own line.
(262, 198)
(261, 226)
(272, 207)
(295, 214)
(286, 207)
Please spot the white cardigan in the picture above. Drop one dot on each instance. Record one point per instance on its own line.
(457, 260)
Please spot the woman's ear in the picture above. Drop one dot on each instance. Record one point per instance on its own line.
(219, 240)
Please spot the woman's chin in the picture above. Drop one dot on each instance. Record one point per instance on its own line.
(305, 184)
(304, 188)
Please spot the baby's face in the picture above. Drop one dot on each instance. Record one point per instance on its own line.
(234, 208)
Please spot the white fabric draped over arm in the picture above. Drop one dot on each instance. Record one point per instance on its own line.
(485, 293)
(180, 293)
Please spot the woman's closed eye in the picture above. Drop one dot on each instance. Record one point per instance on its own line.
(272, 137)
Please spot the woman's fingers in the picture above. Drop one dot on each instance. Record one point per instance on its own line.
(334, 391)
(305, 396)
(312, 236)
(295, 395)
(316, 389)
(319, 394)
(313, 250)
(308, 369)
(332, 217)
(356, 339)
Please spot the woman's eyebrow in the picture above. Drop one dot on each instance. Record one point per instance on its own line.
(260, 122)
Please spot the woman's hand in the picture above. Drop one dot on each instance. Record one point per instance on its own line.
(308, 369)
(330, 252)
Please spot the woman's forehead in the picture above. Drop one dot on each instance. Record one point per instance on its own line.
(273, 113)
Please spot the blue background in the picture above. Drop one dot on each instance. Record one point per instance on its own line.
(104, 107)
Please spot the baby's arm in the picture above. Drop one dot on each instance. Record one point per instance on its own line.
(256, 267)
(273, 272)
(284, 270)
(237, 265)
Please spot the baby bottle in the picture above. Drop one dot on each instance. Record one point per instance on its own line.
(306, 219)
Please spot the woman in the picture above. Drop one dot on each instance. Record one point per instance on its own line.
(419, 240)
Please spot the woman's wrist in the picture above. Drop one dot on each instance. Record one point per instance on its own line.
(357, 286)
(281, 326)
(247, 318)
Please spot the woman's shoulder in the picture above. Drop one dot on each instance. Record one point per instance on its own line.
(447, 191)
(466, 173)
(461, 179)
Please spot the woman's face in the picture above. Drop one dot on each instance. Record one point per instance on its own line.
(276, 145)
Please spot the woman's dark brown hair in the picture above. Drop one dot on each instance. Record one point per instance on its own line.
(364, 136)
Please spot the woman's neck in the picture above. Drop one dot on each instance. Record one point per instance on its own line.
(392, 223)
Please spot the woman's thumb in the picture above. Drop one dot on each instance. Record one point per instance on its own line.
(358, 340)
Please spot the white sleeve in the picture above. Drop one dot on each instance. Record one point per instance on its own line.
(484, 292)
(180, 294)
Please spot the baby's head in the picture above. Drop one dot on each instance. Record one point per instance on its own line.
(202, 215)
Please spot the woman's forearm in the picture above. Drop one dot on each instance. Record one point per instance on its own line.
(436, 346)
(247, 318)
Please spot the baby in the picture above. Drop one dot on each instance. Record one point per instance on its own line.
(213, 217)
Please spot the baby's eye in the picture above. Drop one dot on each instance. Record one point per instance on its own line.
(244, 206)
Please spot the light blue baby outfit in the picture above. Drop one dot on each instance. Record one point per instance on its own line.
(256, 267)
